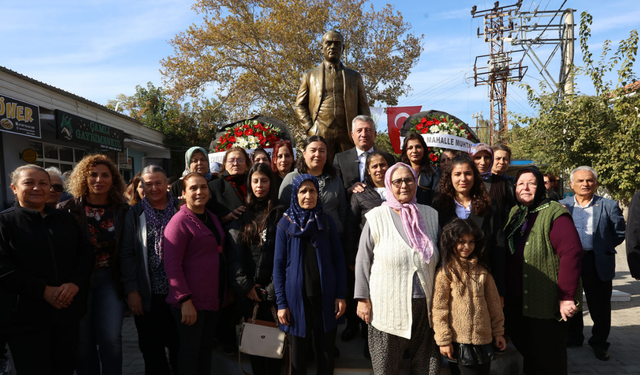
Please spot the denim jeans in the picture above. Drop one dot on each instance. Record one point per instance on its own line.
(101, 328)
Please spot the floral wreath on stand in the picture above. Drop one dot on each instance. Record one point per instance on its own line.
(250, 134)
(438, 125)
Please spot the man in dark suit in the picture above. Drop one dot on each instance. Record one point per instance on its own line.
(330, 96)
(601, 227)
(350, 164)
(633, 237)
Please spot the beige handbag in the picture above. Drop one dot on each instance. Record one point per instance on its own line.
(262, 338)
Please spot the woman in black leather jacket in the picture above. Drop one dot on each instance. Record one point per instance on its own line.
(45, 265)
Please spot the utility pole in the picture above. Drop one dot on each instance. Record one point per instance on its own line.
(568, 41)
(477, 116)
(500, 66)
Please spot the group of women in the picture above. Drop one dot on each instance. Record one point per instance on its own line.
(273, 237)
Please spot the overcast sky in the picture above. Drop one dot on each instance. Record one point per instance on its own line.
(99, 49)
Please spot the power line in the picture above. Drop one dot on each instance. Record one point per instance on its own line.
(428, 92)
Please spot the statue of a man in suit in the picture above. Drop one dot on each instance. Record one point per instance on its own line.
(330, 96)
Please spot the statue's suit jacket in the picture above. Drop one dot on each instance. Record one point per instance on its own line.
(311, 94)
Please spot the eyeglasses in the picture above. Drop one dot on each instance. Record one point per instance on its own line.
(234, 161)
(528, 184)
(57, 188)
(398, 183)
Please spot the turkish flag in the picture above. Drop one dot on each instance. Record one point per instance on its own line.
(395, 119)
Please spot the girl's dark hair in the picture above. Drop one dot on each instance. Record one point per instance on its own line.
(256, 151)
(480, 200)
(390, 161)
(450, 262)
(266, 170)
(255, 217)
(302, 164)
(132, 189)
(425, 163)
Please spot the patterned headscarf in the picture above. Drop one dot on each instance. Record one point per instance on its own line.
(187, 161)
(411, 219)
(157, 223)
(306, 221)
(483, 147)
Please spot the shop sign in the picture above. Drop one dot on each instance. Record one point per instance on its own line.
(18, 117)
(30, 155)
(81, 130)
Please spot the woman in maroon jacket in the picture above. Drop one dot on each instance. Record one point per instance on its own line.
(194, 266)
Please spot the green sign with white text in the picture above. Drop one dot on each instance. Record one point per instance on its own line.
(81, 130)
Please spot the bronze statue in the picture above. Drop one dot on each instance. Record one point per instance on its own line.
(330, 96)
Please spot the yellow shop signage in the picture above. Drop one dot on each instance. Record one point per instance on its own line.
(19, 117)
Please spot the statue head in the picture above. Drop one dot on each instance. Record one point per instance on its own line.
(332, 46)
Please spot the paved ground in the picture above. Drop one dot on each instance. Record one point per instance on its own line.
(625, 343)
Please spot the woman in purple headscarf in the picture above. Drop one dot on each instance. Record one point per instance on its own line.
(395, 271)
(309, 277)
(498, 187)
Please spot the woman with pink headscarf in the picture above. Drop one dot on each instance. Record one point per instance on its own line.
(395, 271)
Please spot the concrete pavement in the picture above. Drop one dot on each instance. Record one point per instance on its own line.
(624, 338)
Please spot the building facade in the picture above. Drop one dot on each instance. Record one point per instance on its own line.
(47, 126)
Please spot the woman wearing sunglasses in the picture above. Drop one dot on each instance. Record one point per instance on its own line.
(57, 186)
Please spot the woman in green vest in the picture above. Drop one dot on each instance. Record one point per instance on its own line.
(542, 276)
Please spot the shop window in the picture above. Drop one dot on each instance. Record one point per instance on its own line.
(61, 157)
(66, 167)
(79, 153)
(49, 164)
(66, 153)
(36, 146)
(51, 152)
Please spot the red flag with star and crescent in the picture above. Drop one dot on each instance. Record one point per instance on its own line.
(396, 117)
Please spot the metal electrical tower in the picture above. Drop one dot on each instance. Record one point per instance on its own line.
(527, 35)
(501, 67)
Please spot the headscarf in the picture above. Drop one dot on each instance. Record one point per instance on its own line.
(411, 219)
(475, 148)
(158, 223)
(519, 219)
(187, 161)
(306, 222)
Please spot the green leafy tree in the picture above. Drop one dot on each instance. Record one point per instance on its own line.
(601, 130)
(253, 53)
(184, 125)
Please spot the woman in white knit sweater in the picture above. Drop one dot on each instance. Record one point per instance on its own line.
(395, 271)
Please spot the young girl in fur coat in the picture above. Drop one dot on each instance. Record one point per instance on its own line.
(467, 313)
